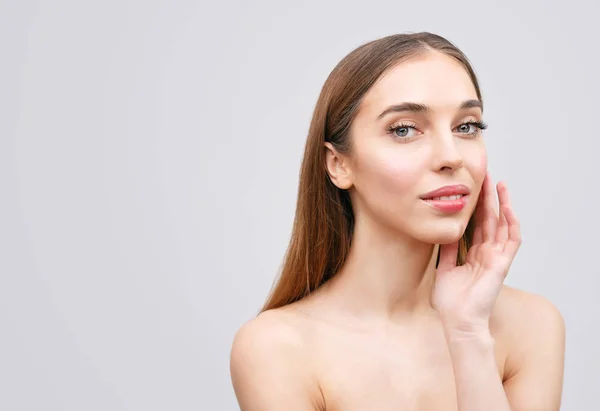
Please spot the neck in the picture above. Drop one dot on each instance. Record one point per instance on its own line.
(385, 276)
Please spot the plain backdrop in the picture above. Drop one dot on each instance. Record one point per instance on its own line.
(149, 157)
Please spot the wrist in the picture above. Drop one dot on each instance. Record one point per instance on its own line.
(466, 349)
(468, 331)
(482, 338)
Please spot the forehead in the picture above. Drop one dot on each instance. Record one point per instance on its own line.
(434, 79)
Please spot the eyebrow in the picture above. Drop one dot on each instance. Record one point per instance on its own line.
(422, 108)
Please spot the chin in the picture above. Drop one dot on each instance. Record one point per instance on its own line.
(439, 232)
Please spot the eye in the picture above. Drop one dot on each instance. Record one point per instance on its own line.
(466, 128)
(402, 131)
(471, 128)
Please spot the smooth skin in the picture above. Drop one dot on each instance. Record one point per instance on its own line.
(390, 331)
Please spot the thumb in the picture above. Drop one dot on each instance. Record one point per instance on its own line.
(448, 256)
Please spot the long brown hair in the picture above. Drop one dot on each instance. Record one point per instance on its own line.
(324, 221)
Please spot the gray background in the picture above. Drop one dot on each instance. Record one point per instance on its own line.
(149, 155)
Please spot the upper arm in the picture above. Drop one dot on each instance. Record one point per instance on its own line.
(269, 369)
(536, 357)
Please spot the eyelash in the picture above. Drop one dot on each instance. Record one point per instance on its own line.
(479, 126)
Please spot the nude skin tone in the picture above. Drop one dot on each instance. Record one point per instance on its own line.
(390, 331)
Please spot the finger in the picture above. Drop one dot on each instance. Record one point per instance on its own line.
(478, 232)
(502, 230)
(490, 218)
(448, 256)
(512, 244)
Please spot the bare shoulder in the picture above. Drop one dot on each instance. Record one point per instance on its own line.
(533, 328)
(528, 312)
(271, 332)
(270, 364)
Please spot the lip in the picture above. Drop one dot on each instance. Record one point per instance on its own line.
(447, 191)
(448, 206)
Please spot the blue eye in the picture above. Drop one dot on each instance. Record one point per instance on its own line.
(471, 128)
(468, 126)
(401, 131)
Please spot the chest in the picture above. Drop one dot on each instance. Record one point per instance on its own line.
(369, 374)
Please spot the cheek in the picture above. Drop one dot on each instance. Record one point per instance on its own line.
(477, 164)
(393, 171)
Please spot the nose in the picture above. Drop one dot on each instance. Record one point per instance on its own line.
(447, 157)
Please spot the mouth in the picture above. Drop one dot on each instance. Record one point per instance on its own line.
(447, 191)
(448, 204)
(445, 198)
(448, 199)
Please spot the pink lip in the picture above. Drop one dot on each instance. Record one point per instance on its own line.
(447, 191)
(448, 206)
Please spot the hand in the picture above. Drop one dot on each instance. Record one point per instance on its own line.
(465, 295)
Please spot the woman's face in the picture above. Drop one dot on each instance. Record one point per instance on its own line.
(400, 153)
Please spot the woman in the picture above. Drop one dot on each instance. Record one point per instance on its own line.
(391, 295)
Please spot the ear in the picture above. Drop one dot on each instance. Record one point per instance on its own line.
(338, 167)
